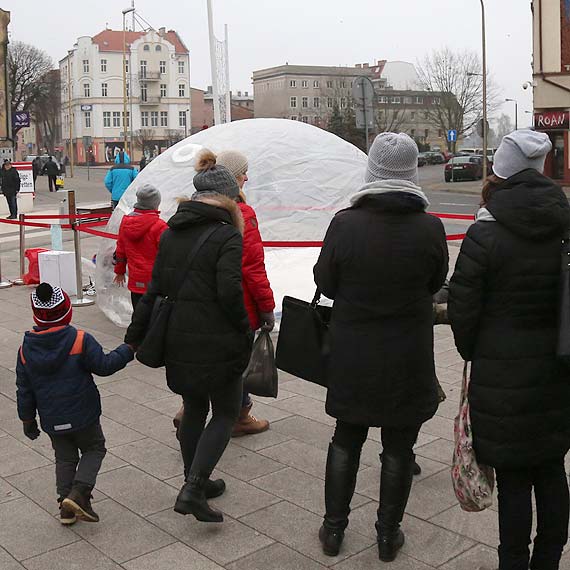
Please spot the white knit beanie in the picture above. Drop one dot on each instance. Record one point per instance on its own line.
(393, 156)
(521, 150)
(234, 161)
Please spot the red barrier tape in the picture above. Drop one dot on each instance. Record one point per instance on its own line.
(469, 218)
(68, 217)
(88, 230)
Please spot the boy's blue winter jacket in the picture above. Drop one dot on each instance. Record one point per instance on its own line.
(119, 177)
(54, 377)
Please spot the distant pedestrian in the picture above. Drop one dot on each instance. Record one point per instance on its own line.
(119, 177)
(382, 261)
(54, 378)
(142, 163)
(36, 168)
(503, 308)
(137, 246)
(52, 170)
(62, 168)
(208, 344)
(10, 182)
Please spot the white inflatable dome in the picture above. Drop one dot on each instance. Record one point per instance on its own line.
(299, 177)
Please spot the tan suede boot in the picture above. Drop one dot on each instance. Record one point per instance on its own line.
(248, 424)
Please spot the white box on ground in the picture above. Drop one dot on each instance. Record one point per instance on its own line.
(58, 269)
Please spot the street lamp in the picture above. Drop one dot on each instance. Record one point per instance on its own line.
(485, 124)
(186, 111)
(70, 110)
(125, 139)
(532, 117)
(516, 112)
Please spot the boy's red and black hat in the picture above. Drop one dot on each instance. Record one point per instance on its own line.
(51, 306)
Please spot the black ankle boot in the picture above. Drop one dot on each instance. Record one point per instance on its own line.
(192, 501)
(417, 467)
(342, 468)
(395, 485)
(213, 489)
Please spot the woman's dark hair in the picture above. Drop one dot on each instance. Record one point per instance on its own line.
(491, 184)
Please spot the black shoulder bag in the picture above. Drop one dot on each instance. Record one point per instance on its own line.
(151, 352)
(563, 344)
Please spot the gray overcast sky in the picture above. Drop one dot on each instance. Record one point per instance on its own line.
(264, 33)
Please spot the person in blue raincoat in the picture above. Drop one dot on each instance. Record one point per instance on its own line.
(119, 177)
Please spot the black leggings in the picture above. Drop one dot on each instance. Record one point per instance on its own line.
(202, 448)
(395, 441)
(515, 516)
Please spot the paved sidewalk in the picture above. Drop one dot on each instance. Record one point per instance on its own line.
(274, 503)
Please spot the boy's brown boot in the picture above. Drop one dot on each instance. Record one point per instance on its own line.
(248, 424)
(79, 502)
(66, 515)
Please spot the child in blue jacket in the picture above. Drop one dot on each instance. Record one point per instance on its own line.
(54, 378)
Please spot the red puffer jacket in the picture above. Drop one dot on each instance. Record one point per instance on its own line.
(137, 247)
(257, 291)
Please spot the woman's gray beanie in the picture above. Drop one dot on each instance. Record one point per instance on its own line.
(393, 156)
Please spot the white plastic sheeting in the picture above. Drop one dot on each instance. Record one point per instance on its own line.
(299, 177)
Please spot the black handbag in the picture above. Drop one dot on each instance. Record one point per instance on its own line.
(563, 344)
(260, 377)
(152, 350)
(302, 346)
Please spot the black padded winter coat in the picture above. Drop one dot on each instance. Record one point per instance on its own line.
(382, 261)
(503, 309)
(208, 341)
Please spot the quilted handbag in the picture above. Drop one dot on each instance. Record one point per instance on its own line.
(473, 483)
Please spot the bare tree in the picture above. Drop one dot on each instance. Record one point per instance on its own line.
(456, 82)
(504, 126)
(47, 109)
(143, 137)
(389, 119)
(27, 66)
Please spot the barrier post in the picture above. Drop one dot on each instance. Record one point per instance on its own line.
(3, 284)
(20, 280)
(79, 301)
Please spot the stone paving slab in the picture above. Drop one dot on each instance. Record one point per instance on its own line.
(275, 498)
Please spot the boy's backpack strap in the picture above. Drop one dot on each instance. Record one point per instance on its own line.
(77, 347)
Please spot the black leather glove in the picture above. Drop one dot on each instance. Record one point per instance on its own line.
(31, 430)
(267, 321)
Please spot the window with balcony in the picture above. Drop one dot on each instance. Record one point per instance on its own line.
(85, 66)
(143, 68)
(116, 119)
(305, 102)
(103, 66)
(316, 102)
(104, 89)
(144, 92)
(293, 102)
(181, 90)
(163, 90)
(181, 118)
(164, 118)
(181, 67)
(87, 116)
(86, 90)
(144, 118)
(162, 67)
(154, 118)
(293, 83)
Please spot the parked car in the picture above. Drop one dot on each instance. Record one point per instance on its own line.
(435, 158)
(489, 162)
(464, 168)
(422, 160)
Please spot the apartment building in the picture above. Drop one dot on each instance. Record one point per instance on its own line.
(310, 93)
(157, 89)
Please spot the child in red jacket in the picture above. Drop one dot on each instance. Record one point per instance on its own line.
(137, 246)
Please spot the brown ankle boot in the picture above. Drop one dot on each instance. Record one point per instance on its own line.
(248, 424)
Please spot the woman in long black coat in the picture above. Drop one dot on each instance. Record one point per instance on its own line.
(209, 340)
(503, 308)
(381, 262)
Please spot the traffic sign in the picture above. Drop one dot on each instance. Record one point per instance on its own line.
(452, 135)
(363, 91)
(364, 119)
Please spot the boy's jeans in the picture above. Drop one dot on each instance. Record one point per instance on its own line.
(70, 468)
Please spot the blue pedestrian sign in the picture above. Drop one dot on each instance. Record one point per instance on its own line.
(452, 135)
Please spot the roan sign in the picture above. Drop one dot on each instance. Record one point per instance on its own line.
(553, 120)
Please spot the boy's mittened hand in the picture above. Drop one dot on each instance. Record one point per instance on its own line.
(31, 430)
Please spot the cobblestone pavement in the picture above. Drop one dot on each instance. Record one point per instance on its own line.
(274, 503)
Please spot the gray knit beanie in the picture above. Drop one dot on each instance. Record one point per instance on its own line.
(212, 177)
(148, 198)
(393, 156)
(521, 150)
(234, 161)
